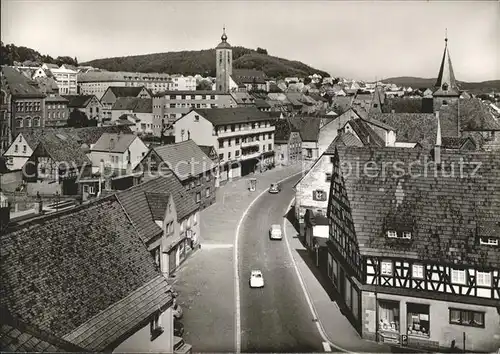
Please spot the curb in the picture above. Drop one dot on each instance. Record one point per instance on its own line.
(236, 264)
(314, 312)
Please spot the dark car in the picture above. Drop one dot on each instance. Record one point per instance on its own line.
(178, 328)
(275, 188)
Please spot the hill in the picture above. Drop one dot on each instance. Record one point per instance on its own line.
(203, 62)
(10, 53)
(417, 82)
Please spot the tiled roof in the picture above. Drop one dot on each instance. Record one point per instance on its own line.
(109, 326)
(402, 105)
(453, 142)
(185, 159)
(87, 259)
(17, 336)
(474, 115)
(135, 203)
(365, 133)
(295, 98)
(114, 142)
(283, 130)
(187, 92)
(135, 104)
(444, 214)
(242, 97)
(55, 98)
(318, 97)
(158, 203)
(415, 127)
(346, 139)
(120, 91)
(221, 116)
(342, 102)
(260, 103)
(308, 127)
(107, 76)
(62, 147)
(90, 135)
(206, 149)
(78, 101)
(248, 76)
(19, 85)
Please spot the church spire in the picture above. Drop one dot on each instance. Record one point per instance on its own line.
(446, 84)
(224, 36)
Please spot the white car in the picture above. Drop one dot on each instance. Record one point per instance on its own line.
(275, 232)
(256, 279)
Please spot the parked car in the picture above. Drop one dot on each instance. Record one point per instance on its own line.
(275, 188)
(275, 232)
(178, 328)
(256, 279)
(177, 310)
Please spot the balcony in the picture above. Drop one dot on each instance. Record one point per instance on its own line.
(244, 131)
(250, 156)
(250, 144)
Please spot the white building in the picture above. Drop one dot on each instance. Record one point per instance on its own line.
(66, 79)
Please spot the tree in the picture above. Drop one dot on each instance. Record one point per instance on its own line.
(307, 80)
(261, 51)
(78, 119)
(204, 85)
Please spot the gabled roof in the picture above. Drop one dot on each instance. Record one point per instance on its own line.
(365, 133)
(221, 116)
(308, 127)
(55, 98)
(62, 148)
(402, 105)
(158, 203)
(135, 104)
(17, 336)
(242, 97)
(185, 159)
(135, 203)
(445, 214)
(260, 103)
(118, 143)
(207, 150)
(346, 139)
(248, 76)
(78, 101)
(120, 91)
(455, 142)
(19, 85)
(90, 275)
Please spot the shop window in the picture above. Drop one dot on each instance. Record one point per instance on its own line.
(388, 313)
(467, 318)
(418, 319)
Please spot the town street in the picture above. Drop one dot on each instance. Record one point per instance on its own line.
(275, 318)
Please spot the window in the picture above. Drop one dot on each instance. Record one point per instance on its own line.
(388, 316)
(229, 155)
(319, 195)
(270, 147)
(221, 144)
(229, 142)
(418, 271)
(406, 234)
(467, 318)
(221, 156)
(15, 148)
(196, 118)
(488, 241)
(458, 276)
(207, 177)
(483, 278)
(156, 255)
(237, 141)
(207, 192)
(386, 268)
(328, 177)
(198, 197)
(24, 148)
(392, 234)
(418, 319)
(36, 122)
(28, 122)
(237, 153)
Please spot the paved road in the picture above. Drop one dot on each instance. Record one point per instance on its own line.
(276, 318)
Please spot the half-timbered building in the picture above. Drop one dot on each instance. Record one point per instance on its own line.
(414, 245)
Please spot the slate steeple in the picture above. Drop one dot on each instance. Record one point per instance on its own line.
(446, 85)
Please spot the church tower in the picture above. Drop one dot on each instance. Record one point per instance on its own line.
(446, 88)
(223, 64)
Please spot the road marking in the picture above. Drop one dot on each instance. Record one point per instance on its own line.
(236, 268)
(326, 347)
(319, 326)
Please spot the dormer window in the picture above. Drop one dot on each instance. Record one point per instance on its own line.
(489, 241)
(392, 234)
(406, 235)
(445, 87)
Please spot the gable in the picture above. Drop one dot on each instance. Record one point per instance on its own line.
(19, 141)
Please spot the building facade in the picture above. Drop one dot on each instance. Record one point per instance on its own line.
(66, 80)
(402, 269)
(243, 138)
(56, 111)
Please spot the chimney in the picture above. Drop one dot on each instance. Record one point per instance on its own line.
(437, 146)
(111, 144)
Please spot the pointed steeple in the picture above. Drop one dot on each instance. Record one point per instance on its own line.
(446, 84)
(438, 133)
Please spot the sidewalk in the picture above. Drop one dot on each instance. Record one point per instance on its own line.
(336, 326)
(205, 281)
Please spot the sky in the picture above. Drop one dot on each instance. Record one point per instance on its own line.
(363, 40)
